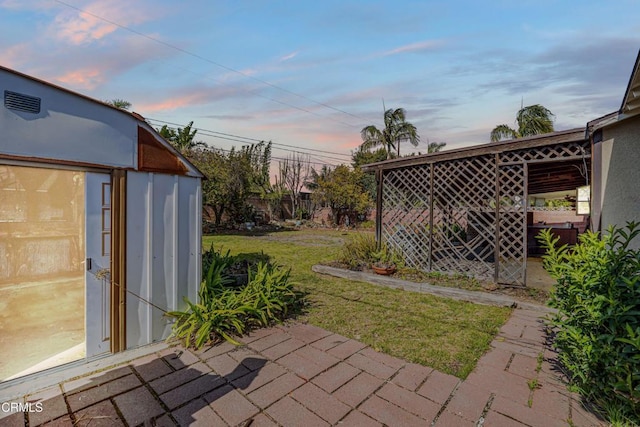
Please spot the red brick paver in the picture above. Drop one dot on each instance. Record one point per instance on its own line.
(231, 405)
(322, 403)
(358, 389)
(138, 406)
(288, 412)
(303, 375)
(411, 376)
(336, 377)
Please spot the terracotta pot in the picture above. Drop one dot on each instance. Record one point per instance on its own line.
(385, 271)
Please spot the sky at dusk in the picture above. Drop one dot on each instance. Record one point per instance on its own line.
(312, 74)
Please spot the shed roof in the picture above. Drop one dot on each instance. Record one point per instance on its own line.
(564, 136)
(142, 123)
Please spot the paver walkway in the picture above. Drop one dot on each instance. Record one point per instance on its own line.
(301, 375)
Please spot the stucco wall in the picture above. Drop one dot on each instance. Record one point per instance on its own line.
(620, 180)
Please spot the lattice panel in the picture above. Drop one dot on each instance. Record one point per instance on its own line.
(551, 152)
(406, 198)
(464, 224)
(512, 225)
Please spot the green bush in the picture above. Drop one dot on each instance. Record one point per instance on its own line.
(598, 322)
(362, 250)
(225, 310)
(357, 251)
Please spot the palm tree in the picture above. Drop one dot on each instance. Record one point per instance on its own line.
(396, 129)
(119, 103)
(434, 147)
(532, 120)
(182, 139)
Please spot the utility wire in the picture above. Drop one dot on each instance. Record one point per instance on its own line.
(251, 139)
(202, 58)
(224, 150)
(244, 140)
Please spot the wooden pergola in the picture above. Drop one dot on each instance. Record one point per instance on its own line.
(464, 211)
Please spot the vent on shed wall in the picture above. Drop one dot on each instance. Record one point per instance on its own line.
(21, 102)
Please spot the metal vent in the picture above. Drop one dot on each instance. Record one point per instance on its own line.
(21, 102)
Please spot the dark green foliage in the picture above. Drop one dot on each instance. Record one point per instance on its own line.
(532, 120)
(362, 157)
(396, 130)
(225, 310)
(598, 324)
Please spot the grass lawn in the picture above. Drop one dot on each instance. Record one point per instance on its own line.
(444, 334)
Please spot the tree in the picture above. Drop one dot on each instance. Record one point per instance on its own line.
(362, 157)
(315, 176)
(182, 139)
(532, 120)
(119, 103)
(340, 190)
(396, 129)
(294, 171)
(231, 177)
(259, 158)
(435, 147)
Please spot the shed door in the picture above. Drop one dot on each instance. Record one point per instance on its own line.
(512, 223)
(98, 274)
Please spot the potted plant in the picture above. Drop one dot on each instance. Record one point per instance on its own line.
(384, 261)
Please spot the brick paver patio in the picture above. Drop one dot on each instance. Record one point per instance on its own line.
(301, 375)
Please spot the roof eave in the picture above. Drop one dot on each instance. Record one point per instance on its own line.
(576, 134)
(631, 101)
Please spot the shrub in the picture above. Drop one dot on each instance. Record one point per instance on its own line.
(362, 251)
(224, 310)
(357, 251)
(598, 323)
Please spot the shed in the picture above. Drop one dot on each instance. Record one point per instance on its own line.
(476, 210)
(100, 228)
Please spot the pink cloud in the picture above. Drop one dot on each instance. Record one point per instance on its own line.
(289, 56)
(97, 20)
(172, 103)
(14, 56)
(87, 78)
(416, 47)
(82, 28)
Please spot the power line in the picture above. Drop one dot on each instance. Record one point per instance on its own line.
(245, 139)
(253, 139)
(202, 58)
(322, 163)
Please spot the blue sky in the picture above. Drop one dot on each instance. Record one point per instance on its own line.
(313, 73)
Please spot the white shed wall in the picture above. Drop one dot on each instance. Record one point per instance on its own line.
(69, 127)
(163, 251)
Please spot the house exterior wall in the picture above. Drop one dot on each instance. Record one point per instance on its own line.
(67, 128)
(163, 251)
(617, 189)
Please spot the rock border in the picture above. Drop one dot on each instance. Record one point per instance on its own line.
(427, 288)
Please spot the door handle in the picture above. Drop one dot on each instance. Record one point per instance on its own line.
(88, 263)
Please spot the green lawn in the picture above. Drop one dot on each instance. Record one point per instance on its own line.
(444, 334)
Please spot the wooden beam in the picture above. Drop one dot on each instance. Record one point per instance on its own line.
(561, 137)
(118, 260)
(379, 176)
